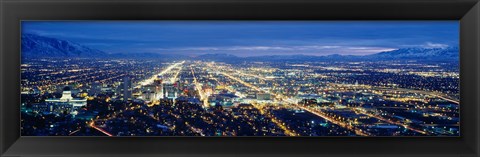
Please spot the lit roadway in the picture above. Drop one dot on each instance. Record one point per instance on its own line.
(243, 82)
(435, 94)
(230, 89)
(168, 69)
(334, 121)
(404, 90)
(203, 96)
(389, 121)
(196, 130)
(174, 78)
(92, 124)
(277, 122)
(259, 77)
(274, 120)
(340, 123)
(74, 132)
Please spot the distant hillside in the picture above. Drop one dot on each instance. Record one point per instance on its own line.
(419, 54)
(142, 55)
(39, 46)
(451, 53)
(217, 57)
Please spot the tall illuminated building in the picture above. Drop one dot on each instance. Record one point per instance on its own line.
(151, 92)
(169, 91)
(158, 88)
(126, 88)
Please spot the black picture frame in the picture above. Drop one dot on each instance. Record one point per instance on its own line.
(13, 11)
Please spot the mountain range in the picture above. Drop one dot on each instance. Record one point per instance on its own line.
(418, 53)
(39, 46)
(425, 54)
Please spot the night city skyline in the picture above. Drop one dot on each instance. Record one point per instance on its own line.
(240, 78)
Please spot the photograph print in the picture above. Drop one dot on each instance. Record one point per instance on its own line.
(240, 78)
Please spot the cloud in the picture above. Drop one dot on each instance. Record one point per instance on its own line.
(85, 37)
(370, 49)
(435, 45)
(99, 44)
(45, 33)
(249, 48)
(428, 45)
(317, 50)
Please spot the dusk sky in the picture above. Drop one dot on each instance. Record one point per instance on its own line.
(250, 38)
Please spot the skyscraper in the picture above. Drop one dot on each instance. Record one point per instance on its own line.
(126, 89)
(170, 91)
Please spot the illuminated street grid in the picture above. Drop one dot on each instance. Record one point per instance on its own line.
(132, 97)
